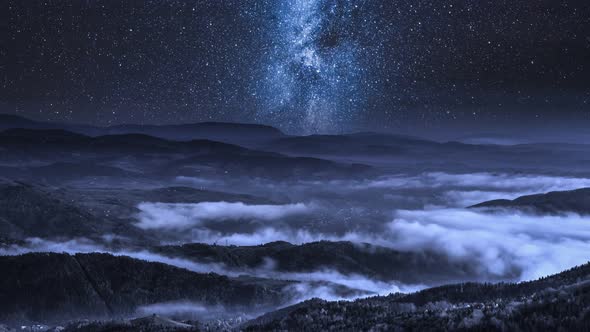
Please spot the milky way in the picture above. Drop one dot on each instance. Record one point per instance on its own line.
(313, 69)
(304, 66)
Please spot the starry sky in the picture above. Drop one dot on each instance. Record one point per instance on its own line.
(305, 66)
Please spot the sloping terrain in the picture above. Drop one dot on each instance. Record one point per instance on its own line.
(58, 287)
(36, 211)
(55, 155)
(375, 149)
(572, 201)
(144, 324)
(81, 189)
(235, 133)
(375, 262)
(120, 202)
(28, 211)
(559, 302)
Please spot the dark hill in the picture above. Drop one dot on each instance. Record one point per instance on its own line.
(235, 133)
(66, 140)
(26, 137)
(28, 211)
(8, 121)
(60, 151)
(58, 287)
(345, 257)
(268, 165)
(574, 201)
(366, 144)
(556, 303)
(217, 131)
(33, 211)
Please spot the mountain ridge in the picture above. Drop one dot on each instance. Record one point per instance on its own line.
(555, 202)
(551, 303)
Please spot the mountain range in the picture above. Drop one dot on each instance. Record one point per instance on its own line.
(222, 226)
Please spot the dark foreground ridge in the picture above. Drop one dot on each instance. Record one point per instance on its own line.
(556, 303)
(48, 287)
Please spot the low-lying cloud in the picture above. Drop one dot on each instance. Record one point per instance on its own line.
(481, 180)
(188, 215)
(460, 190)
(508, 243)
(406, 191)
(184, 310)
(500, 243)
(505, 244)
(83, 245)
(352, 281)
(322, 283)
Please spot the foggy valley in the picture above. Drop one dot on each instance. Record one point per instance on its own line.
(259, 227)
(294, 165)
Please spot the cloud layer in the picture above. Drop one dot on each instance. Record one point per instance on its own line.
(418, 213)
(506, 243)
(312, 284)
(502, 243)
(503, 181)
(187, 215)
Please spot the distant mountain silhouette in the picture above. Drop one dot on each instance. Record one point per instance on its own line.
(491, 139)
(404, 153)
(8, 121)
(71, 155)
(349, 144)
(66, 140)
(236, 133)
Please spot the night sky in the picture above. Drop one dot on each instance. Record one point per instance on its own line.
(305, 66)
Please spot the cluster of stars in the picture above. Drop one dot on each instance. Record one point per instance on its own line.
(313, 73)
(304, 66)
